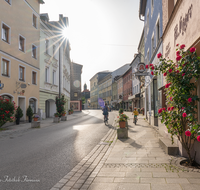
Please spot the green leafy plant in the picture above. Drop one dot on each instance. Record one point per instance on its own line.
(29, 112)
(122, 117)
(19, 113)
(180, 114)
(56, 114)
(60, 102)
(121, 110)
(7, 109)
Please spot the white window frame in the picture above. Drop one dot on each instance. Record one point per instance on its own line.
(152, 7)
(152, 45)
(35, 51)
(147, 25)
(34, 25)
(24, 73)
(157, 22)
(46, 46)
(9, 67)
(24, 43)
(47, 74)
(35, 77)
(54, 77)
(9, 33)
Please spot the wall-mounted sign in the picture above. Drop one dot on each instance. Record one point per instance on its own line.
(141, 67)
(23, 85)
(1, 85)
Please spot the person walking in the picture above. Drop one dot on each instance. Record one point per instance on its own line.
(105, 112)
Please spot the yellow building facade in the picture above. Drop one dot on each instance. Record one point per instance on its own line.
(19, 52)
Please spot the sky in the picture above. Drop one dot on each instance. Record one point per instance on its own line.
(103, 34)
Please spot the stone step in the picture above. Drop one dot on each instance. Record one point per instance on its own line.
(168, 147)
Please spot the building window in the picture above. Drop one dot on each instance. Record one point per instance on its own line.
(34, 49)
(21, 73)
(157, 32)
(47, 74)
(152, 4)
(152, 45)
(5, 33)
(54, 77)
(34, 77)
(47, 46)
(5, 67)
(21, 43)
(54, 51)
(34, 21)
(8, 1)
(75, 94)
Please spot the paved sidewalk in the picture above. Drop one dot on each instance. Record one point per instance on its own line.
(136, 163)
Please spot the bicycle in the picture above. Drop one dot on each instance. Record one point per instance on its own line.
(106, 119)
(135, 120)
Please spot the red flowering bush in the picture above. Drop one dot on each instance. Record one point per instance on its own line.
(181, 94)
(7, 109)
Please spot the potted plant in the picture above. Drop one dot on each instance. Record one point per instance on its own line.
(72, 111)
(122, 119)
(69, 111)
(56, 114)
(63, 113)
(29, 113)
(139, 110)
(121, 110)
(35, 117)
(18, 115)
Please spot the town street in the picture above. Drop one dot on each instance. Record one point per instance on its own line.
(36, 159)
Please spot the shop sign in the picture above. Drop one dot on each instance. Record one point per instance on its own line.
(1, 85)
(23, 85)
(141, 67)
(181, 27)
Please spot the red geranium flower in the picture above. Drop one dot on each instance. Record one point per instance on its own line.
(170, 70)
(171, 98)
(192, 49)
(177, 44)
(168, 108)
(188, 133)
(147, 66)
(160, 110)
(189, 99)
(167, 86)
(165, 74)
(172, 108)
(163, 109)
(184, 115)
(183, 74)
(198, 138)
(159, 55)
(178, 58)
(182, 46)
(178, 71)
(152, 68)
(150, 64)
(152, 73)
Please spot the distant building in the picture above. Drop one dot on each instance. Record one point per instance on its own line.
(75, 86)
(86, 95)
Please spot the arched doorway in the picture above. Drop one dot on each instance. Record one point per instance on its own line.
(50, 108)
(32, 104)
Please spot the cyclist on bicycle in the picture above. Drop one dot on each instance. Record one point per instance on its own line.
(135, 113)
(105, 111)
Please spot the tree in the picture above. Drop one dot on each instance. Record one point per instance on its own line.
(180, 115)
(7, 109)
